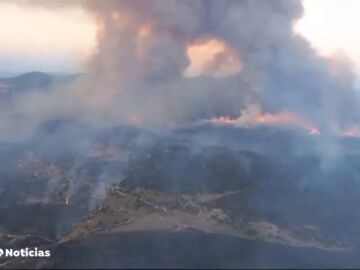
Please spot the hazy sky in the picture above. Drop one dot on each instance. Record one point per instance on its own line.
(60, 41)
(42, 39)
(331, 26)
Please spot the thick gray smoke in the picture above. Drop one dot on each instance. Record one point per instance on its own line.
(144, 74)
(163, 65)
(137, 74)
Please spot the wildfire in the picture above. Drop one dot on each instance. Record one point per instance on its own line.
(253, 116)
(224, 120)
(314, 131)
(351, 132)
(279, 118)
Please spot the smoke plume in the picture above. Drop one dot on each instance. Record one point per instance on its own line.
(146, 72)
(139, 70)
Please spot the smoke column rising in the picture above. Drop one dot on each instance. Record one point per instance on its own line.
(139, 73)
(138, 70)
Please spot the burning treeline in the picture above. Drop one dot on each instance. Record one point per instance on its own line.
(252, 116)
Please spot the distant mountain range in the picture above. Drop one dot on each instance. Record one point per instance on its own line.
(33, 80)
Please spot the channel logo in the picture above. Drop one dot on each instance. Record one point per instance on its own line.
(24, 253)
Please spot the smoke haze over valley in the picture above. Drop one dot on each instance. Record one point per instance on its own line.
(198, 134)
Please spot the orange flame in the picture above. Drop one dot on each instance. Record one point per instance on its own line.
(351, 132)
(223, 120)
(253, 116)
(279, 118)
(314, 131)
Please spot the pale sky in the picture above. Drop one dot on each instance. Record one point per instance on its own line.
(60, 41)
(42, 39)
(332, 26)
